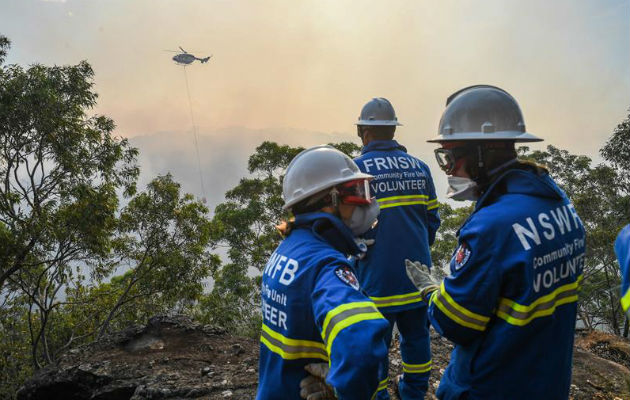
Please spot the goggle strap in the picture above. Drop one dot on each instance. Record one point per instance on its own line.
(334, 194)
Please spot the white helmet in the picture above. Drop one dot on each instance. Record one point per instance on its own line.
(316, 169)
(482, 112)
(378, 112)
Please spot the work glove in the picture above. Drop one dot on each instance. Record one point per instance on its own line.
(314, 386)
(363, 245)
(422, 278)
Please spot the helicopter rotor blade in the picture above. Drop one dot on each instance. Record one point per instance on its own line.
(180, 47)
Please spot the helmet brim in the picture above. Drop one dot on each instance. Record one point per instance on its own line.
(515, 136)
(377, 123)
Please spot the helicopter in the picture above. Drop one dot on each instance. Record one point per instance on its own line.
(185, 58)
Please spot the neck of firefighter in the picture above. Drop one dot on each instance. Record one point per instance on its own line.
(365, 134)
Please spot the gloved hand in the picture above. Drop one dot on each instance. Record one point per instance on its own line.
(422, 278)
(314, 386)
(363, 244)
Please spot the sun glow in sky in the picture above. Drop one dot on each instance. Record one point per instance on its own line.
(298, 72)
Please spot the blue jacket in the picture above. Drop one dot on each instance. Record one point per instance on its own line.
(622, 249)
(510, 301)
(313, 311)
(406, 225)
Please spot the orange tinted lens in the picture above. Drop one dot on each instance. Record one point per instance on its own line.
(355, 192)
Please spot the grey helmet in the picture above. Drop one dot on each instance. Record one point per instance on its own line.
(482, 112)
(316, 169)
(378, 111)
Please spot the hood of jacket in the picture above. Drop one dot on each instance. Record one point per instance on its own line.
(383, 145)
(521, 181)
(329, 228)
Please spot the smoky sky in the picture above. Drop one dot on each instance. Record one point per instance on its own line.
(298, 72)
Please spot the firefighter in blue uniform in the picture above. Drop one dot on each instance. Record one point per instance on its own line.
(510, 301)
(622, 249)
(407, 224)
(315, 317)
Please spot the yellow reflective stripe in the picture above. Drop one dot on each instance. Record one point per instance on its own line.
(397, 300)
(347, 322)
(625, 300)
(408, 196)
(435, 292)
(417, 368)
(518, 314)
(292, 349)
(290, 356)
(344, 307)
(456, 312)
(382, 385)
(292, 342)
(345, 315)
(395, 201)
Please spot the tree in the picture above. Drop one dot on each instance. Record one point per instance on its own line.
(616, 152)
(61, 169)
(63, 236)
(162, 239)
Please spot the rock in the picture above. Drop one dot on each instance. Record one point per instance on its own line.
(237, 349)
(162, 360)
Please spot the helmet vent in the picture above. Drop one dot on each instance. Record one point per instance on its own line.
(487, 127)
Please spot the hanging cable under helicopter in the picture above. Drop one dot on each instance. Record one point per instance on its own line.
(194, 130)
(184, 58)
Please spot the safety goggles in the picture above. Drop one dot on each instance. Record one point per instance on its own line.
(447, 158)
(355, 192)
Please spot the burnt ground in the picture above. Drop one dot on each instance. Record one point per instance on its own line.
(171, 358)
(174, 358)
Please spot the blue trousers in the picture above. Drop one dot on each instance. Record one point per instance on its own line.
(415, 349)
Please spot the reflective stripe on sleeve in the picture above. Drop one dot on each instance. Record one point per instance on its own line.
(397, 300)
(382, 385)
(625, 300)
(417, 368)
(518, 314)
(292, 349)
(345, 315)
(456, 312)
(408, 200)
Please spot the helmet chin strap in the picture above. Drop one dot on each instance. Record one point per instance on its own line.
(482, 176)
(334, 195)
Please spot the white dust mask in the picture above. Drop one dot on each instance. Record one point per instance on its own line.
(462, 189)
(363, 217)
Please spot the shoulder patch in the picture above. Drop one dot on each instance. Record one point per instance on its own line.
(461, 256)
(346, 276)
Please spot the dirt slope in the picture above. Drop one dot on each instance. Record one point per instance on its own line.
(173, 358)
